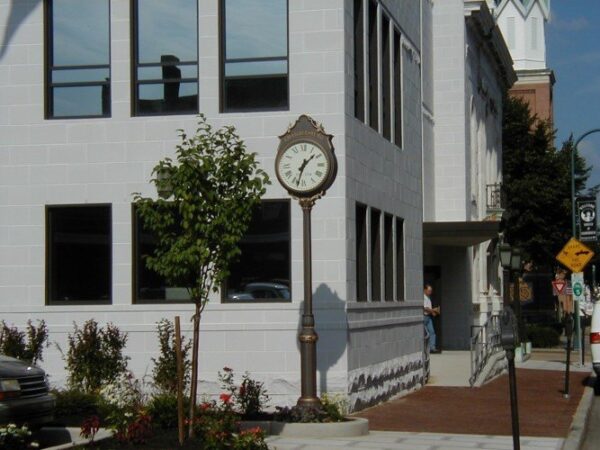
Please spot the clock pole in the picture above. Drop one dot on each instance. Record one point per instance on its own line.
(308, 337)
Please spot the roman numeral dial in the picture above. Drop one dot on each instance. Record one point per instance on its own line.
(303, 167)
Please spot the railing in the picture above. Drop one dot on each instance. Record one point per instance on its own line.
(494, 197)
(485, 341)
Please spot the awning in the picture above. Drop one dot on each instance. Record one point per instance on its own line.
(459, 234)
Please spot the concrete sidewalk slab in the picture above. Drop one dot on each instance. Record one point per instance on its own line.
(386, 440)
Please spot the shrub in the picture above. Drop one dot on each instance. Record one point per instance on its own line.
(95, 356)
(163, 410)
(77, 404)
(335, 406)
(216, 424)
(90, 427)
(543, 337)
(332, 409)
(249, 398)
(164, 374)
(13, 342)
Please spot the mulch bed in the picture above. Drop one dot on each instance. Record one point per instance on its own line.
(543, 411)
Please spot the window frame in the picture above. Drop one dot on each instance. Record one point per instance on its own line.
(49, 67)
(224, 286)
(222, 30)
(48, 257)
(135, 66)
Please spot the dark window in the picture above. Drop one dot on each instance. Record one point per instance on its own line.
(399, 259)
(397, 90)
(361, 253)
(388, 261)
(149, 286)
(254, 54)
(385, 78)
(373, 65)
(78, 58)
(78, 249)
(359, 58)
(165, 42)
(262, 271)
(375, 256)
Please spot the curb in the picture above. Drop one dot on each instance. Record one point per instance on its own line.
(580, 419)
(74, 439)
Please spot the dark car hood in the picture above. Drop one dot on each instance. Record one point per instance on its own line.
(14, 368)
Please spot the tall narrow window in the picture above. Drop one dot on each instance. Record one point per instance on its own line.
(165, 42)
(361, 253)
(78, 252)
(534, 33)
(359, 61)
(373, 66)
(510, 32)
(385, 78)
(388, 260)
(78, 58)
(375, 256)
(397, 89)
(263, 270)
(149, 286)
(399, 259)
(254, 55)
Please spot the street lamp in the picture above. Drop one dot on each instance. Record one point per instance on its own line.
(573, 226)
(510, 258)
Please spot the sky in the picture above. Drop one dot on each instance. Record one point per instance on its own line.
(573, 52)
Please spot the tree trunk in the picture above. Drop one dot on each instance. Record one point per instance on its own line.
(194, 387)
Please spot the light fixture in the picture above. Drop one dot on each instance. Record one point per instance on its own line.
(505, 254)
(515, 260)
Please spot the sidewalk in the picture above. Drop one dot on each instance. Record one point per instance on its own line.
(455, 417)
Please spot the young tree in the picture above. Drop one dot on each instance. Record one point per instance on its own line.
(207, 196)
(537, 184)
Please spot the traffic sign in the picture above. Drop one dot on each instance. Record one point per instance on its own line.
(578, 286)
(575, 255)
(558, 286)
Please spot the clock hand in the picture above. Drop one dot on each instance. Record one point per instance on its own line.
(301, 169)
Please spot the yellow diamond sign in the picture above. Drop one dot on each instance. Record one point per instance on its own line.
(575, 255)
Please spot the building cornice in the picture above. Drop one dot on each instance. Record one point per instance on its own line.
(481, 20)
(524, 9)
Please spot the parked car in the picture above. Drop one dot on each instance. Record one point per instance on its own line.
(266, 291)
(595, 344)
(24, 396)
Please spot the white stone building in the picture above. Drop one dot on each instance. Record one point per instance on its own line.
(91, 96)
(472, 69)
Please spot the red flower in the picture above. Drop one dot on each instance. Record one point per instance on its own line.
(225, 398)
(227, 369)
(204, 406)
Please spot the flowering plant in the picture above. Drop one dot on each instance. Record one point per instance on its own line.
(16, 438)
(250, 397)
(126, 414)
(90, 427)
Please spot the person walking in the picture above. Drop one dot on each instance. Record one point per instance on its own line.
(429, 312)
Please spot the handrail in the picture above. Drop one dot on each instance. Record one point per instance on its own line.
(485, 341)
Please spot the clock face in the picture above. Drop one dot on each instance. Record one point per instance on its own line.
(303, 167)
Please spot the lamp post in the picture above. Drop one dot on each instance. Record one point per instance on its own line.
(510, 335)
(515, 265)
(505, 256)
(574, 227)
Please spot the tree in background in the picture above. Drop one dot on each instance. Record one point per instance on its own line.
(207, 197)
(537, 184)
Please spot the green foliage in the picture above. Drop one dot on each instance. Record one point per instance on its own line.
(163, 410)
(330, 411)
(73, 403)
(537, 184)
(249, 398)
(16, 438)
(164, 374)
(26, 345)
(542, 336)
(336, 406)
(211, 187)
(95, 356)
